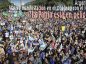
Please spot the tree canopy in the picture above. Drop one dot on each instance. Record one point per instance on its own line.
(5, 4)
(52, 2)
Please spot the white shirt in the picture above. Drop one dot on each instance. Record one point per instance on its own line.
(6, 34)
(11, 37)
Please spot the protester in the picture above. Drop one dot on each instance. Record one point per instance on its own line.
(40, 42)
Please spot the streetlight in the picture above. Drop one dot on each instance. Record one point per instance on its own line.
(20, 4)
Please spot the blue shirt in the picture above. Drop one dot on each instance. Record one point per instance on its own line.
(52, 61)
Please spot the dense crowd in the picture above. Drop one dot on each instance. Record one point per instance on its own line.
(43, 42)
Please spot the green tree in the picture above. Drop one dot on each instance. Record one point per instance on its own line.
(53, 2)
(68, 2)
(5, 4)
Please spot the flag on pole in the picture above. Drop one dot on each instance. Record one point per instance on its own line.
(63, 28)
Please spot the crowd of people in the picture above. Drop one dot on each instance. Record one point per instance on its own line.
(42, 42)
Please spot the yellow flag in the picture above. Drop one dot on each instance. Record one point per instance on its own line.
(63, 28)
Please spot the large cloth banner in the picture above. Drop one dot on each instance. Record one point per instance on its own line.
(45, 15)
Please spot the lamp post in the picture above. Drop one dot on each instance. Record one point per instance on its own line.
(20, 4)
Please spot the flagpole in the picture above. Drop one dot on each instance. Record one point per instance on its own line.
(20, 4)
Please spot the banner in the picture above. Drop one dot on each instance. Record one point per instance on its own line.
(55, 12)
(45, 15)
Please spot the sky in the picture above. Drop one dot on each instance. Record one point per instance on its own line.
(17, 2)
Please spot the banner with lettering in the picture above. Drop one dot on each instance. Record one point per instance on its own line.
(55, 12)
(45, 15)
